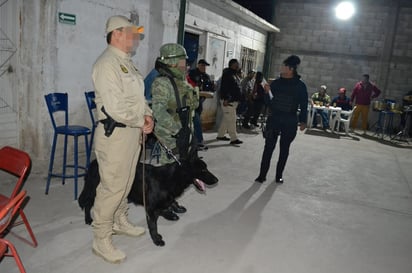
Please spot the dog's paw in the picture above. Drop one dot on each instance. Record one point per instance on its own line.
(157, 240)
(159, 243)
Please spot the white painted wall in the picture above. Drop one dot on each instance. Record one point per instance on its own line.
(78, 46)
(235, 35)
(58, 57)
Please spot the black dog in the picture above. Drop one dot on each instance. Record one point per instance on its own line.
(163, 185)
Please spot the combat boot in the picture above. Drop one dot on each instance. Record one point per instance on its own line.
(123, 226)
(103, 247)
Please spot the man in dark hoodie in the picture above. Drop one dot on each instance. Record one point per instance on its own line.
(286, 94)
(229, 98)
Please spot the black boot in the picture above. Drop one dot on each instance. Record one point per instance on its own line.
(177, 208)
(260, 179)
(279, 171)
(168, 214)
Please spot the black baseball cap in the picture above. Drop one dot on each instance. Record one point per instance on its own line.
(203, 61)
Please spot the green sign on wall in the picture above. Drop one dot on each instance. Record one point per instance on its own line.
(67, 18)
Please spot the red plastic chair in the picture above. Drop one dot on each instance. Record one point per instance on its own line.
(7, 214)
(17, 163)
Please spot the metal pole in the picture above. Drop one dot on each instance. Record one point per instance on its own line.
(182, 15)
(267, 61)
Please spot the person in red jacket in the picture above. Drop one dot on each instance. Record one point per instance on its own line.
(362, 94)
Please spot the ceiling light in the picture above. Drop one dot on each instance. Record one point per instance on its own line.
(344, 10)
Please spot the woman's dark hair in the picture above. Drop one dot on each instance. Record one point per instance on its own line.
(292, 61)
(259, 77)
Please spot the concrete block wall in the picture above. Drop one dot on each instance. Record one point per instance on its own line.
(377, 41)
(400, 71)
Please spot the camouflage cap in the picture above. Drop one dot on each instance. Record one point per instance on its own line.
(172, 53)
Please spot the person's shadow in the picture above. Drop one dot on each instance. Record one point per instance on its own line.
(228, 232)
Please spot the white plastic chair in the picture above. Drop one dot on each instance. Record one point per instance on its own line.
(347, 116)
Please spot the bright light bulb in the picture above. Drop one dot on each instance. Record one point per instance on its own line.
(344, 10)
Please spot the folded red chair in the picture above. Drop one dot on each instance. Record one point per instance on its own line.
(17, 163)
(7, 213)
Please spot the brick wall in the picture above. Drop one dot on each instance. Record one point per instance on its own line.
(377, 41)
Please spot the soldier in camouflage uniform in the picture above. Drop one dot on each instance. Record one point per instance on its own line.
(172, 66)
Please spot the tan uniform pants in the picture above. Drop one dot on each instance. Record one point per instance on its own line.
(228, 123)
(361, 110)
(117, 156)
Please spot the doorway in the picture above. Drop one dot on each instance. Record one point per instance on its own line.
(191, 44)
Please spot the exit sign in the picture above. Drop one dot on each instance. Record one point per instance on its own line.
(67, 18)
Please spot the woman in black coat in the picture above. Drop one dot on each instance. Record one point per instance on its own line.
(286, 95)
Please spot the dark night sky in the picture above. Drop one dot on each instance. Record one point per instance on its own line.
(259, 7)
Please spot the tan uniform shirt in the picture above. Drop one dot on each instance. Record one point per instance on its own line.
(119, 88)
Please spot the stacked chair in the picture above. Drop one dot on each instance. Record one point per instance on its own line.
(18, 164)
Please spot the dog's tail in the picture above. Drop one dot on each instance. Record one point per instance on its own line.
(91, 180)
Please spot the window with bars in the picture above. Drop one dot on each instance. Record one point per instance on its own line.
(248, 58)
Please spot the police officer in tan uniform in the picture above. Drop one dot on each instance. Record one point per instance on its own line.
(119, 89)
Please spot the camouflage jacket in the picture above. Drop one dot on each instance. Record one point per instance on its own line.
(164, 106)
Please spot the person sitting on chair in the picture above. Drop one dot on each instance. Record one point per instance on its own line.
(257, 102)
(342, 101)
(322, 99)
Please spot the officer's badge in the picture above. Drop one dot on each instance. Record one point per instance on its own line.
(124, 69)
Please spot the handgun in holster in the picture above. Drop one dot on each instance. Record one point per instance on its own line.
(109, 123)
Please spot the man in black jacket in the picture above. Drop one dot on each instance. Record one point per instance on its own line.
(229, 99)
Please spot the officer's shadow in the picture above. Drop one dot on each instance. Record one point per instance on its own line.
(227, 233)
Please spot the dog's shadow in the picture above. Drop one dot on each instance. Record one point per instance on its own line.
(227, 234)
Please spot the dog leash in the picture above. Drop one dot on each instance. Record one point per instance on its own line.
(143, 172)
(167, 150)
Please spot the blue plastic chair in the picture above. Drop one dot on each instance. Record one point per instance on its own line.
(58, 102)
(91, 105)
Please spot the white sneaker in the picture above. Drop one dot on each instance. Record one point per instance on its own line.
(104, 248)
(123, 226)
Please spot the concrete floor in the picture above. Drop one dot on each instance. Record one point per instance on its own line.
(345, 206)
